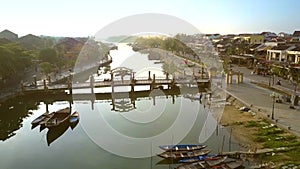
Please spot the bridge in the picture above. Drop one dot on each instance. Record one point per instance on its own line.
(113, 82)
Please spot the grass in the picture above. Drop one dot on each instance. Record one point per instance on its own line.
(253, 124)
(274, 137)
(270, 136)
(270, 132)
(283, 159)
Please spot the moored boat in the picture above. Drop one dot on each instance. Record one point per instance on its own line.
(183, 154)
(200, 158)
(44, 121)
(203, 164)
(39, 119)
(74, 119)
(58, 118)
(183, 147)
(232, 164)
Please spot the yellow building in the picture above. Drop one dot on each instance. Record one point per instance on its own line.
(256, 39)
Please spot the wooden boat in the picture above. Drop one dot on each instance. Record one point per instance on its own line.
(37, 121)
(74, 120)
(58, 118)
(183, 147)
(44, 121)
(183, 154)
(203, 164)
(200, 158)
(231, 164)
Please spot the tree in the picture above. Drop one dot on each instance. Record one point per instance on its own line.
(13, 60)
(294, 77)
(46, 68)
(49, 55)
(7, 67)
(169, 68)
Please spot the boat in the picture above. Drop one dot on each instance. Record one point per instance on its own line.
(230, 164)
(37, 121)
(183, 147)
(74, 120)
(204, 164)
(58, 118)
(44, 121)
(183, 154)
(200, 158)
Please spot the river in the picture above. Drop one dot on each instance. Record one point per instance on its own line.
(115, 133)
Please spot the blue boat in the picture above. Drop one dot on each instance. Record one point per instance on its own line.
(74, 120)
(74, 117)
(200, 158)
(183, 147)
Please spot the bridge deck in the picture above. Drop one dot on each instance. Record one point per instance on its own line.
(99, 84)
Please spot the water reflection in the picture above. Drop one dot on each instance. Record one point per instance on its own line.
(57, 122)
(62, 140)
(12, 113)
(55, 133)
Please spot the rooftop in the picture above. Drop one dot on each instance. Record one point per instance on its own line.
(296, 33)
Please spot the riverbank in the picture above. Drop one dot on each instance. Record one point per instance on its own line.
(254, 132)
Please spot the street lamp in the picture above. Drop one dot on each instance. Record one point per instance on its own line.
(271, 76)
(273, 95)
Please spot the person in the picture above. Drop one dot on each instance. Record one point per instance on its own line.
(279, 82)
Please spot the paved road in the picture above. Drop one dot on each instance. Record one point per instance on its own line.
(260, 99)
(285, 84)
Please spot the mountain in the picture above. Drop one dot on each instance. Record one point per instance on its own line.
(4, 41)
(31, 42)
(8, 35)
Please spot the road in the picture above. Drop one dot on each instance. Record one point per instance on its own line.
(260, 98)
(285, 84)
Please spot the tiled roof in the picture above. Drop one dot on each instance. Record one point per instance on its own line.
(281, 47)
(254, 46)
(296, 33)
(296, 49)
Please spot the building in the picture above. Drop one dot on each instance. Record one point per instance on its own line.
(268, 35)
(296, 36)
(256, 39)
(293, 56)
(283, 35)
(284, 53)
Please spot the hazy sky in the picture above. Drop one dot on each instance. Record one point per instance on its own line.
(86, 17)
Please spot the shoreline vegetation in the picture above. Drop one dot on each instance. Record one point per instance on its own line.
(253, 132)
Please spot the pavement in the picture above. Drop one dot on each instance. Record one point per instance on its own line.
(259, 98)
(285, 86)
